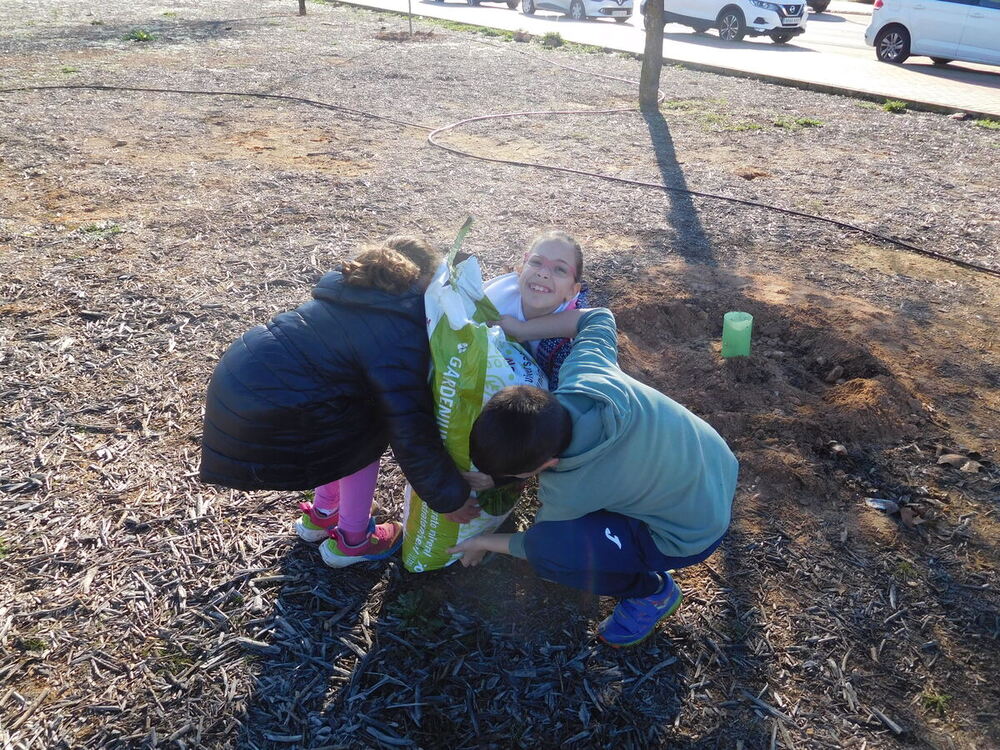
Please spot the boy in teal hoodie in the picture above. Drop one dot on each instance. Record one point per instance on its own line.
(631, 484)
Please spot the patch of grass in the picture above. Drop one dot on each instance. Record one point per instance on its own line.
(587, 49)
(797, 124)
(97, 23)
(4, 549)
(987, 123)
(868, 105)
(69, 69)
(139, 35)
(894, 105)
(417, 610)
(170, 14)
(474, 29)
(743, 125)
(935, 702)
(32, 644)
(905, 570)
(101, 230)
(552, 39)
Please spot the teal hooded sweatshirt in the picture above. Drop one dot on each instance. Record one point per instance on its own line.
(635, 452)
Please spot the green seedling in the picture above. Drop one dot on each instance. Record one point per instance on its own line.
(69, 69)
(4, 550)
(139, 35)
(935, 702)
(895, 106)
(987, 123)
(170, 14)
(905, 570)
(32, 644)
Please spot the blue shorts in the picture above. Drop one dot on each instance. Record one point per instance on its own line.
(603, 552)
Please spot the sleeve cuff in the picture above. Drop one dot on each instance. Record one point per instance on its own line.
(517, 545)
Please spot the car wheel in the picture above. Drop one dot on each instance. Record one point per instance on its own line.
(700, 29)
(732, 27)
(528, 7)
(820, 6)
(892, 44)
(513, 3)
(940, 60)
(473, 3)
(780, 37)
(577, 11)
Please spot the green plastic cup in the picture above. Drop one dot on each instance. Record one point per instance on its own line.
(736, 329)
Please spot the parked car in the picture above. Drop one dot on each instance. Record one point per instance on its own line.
(736, 19)
(943, 30)
(510, 3)
(581, 10)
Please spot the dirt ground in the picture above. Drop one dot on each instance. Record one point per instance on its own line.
(854, 604)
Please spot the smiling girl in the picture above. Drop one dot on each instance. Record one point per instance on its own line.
(549, 281)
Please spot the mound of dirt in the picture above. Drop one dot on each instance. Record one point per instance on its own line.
(872, 409)
(803, 388)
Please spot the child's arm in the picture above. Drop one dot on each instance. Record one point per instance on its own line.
(408, 408)
(474, 550)
(561, 325)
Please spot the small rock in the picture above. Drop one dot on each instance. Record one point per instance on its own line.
(834, 375)
(838, 450)
(119, 144)
(952, 459)
(959, 116)
(880, 503)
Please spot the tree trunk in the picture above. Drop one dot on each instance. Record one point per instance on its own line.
(302, 7)
(652, 57)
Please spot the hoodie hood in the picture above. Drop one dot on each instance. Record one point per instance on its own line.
(332, 288)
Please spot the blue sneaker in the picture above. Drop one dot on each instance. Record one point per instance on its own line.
(634, 620)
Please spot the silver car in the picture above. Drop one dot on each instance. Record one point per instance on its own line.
(581, 10)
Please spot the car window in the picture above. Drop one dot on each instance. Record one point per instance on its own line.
(995, 4)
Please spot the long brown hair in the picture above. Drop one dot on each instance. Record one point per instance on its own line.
(394, 266)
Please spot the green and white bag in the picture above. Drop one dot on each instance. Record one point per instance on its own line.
(470, 361)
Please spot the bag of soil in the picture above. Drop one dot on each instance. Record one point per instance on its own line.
(470, 361)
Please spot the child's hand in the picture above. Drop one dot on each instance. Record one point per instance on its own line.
(478, 481)
(511, 326)
(466, 513)
(471, 550)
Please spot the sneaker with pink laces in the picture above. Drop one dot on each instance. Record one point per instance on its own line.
(313, 526)
(381, 542)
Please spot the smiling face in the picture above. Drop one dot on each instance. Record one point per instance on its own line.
(548, 277)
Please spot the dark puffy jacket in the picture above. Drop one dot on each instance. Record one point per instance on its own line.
(320, 391)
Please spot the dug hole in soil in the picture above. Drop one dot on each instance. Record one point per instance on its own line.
(855, 602)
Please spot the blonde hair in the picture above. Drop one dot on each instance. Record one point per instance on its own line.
(394, 266)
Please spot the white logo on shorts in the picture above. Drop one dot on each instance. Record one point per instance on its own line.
(613, 538)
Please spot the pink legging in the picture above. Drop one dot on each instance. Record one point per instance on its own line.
(353, 496)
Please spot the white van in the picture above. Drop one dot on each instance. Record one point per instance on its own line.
(943, 30)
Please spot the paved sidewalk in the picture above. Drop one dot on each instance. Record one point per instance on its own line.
(961, 87)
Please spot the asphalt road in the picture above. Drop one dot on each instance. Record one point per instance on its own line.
(830, 55)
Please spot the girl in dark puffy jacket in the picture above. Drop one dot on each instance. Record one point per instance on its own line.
(313, 398)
